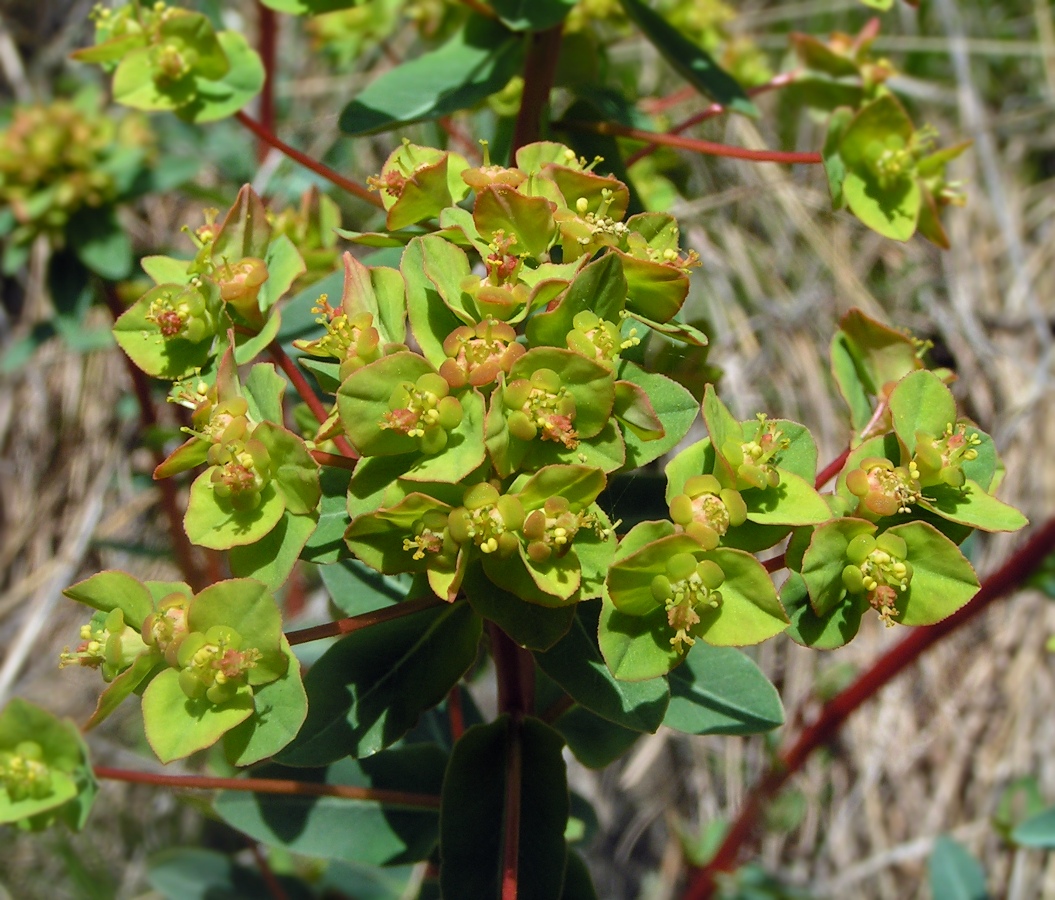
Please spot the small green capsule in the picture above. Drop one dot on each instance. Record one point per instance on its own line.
(892, 544)
(431, 383)
(681, 509)
(433, 440)
(857, 482)
(539, 552)
(711, 574)
(188, 647)
(754, 475)
(521, 426)
(546, 380)
(535, 525)
(458, 525)
(581, 344)
(450, 411)
(702, 484)
(928, 458)
(400, 397)
(507, 544)
(734, 505)
(512, 511)
(556, 506)
(703, 534)
(661, 589)
(952, 476)
(516, 393)
(220, 693)
(680, 566)
(585, 320)
(481, 495)
(853, 580)
(859, 547)
(191, 684)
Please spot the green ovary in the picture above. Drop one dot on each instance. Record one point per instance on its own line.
(23, 773)
(687, 587)
(879, 569)
(213, 665)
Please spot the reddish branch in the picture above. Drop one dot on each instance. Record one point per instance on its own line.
(1007, 578)
(511, 826)
(284, 786)
(832, 469)
(715, 109)
(181, 545)
(540, 68)
(309, 162)
(332, 459)
(300, 384)
(274, 886)
(268, 46)
(365, 620)
(708, 148)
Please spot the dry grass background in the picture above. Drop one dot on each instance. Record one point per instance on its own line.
(934, 751)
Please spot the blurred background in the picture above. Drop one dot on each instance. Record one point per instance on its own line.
(959, 745)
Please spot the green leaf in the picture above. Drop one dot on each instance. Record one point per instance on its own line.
(1037, 831)
(111, 590)
(476, 798)
(272, 558)
(309, 7)
(295, 473)
(379, 291)
(279, 709)
(691, 62)
(532, 15)
(245, 230)
(576, 664)
(921, 402)
(792, 502)
(212, 522)
(100, 242)
(225, 96)
(263, 391)
(955, 874)
(676, 408)
(834, 629)
(326, 544)
(250, 609)
(595, 742)
(130, 680)
(530, 625)
(599, 287)
(284, 266)
(177, 726)
(355, 589)
(719, 690)
(430, 318)
(528, 219)
(942, 579)
(475, 63)
(636, 648)
(369, 688)
(342, 828)
(970, 505)
(191, 873)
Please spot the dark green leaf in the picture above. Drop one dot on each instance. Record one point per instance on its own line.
(1038, 831)
(528, 624)
(355, 831)
(326, 544)
(480, 785)
(719, 690)
(192, 873)
(475, 63)
(368, 689)
(954, 873)
(595, 742)
(101, 243)
(691, 62)
(576, 664)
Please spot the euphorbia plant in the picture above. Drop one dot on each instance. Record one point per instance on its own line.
(472, 405)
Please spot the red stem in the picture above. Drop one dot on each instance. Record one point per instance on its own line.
(268, 37)
(182, 548)
(364, 620)
(540, 68)
(715, 109)
(287, 787)
(308, 162)
(515, 671)
(300, 383)
(709, 148)
(455, 713)
(832, 469)
(511, 825)
(826, 726)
